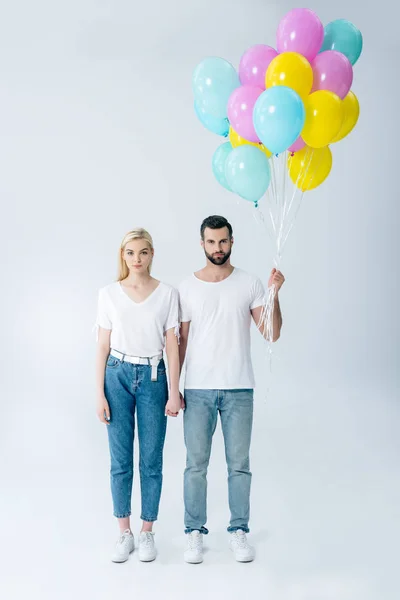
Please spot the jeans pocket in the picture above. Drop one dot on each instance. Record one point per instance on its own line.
(112, 362)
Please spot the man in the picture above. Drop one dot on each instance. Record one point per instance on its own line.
(217, 304)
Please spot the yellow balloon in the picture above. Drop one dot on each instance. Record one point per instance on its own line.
(290, 69)
(309, 167)
(237, 140)
(324, 118)
(351, 113)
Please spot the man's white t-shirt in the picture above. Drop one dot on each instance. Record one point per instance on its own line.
(138, 328)
(218, 353)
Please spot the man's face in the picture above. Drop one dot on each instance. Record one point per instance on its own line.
(217, 245)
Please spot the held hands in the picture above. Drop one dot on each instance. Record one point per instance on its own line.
(172, 408)
(276, 278)
(173, 405)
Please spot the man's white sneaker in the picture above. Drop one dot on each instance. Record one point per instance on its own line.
(194, 551)
(240, 547)
(123, 548)
(147, 548)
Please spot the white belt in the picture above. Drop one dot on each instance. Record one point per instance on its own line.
(153, 361)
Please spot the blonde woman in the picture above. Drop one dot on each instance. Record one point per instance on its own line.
(137, 318)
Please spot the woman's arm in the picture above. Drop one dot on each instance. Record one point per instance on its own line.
(172, 350)
(102, 352)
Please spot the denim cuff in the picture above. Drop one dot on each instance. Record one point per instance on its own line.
(242, 528)
(122, 516)
(149, 520)
(201, 529)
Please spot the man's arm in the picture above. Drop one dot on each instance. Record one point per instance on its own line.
(184, 335)
(277, 279)
(276, 320)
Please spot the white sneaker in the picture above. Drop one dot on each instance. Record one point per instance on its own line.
(147, 548)
(240, 547)
(124, 546)
(194, 551)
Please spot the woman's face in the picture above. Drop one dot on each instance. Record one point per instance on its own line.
(138, 256)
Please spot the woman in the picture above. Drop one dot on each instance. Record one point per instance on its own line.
(137, 318)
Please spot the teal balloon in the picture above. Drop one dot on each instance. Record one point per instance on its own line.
(278, 118)
(214, 80)
(213, 124)
(247, 172)
(219, 162)
(344, 37)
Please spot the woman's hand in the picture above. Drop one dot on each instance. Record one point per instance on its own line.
(103, 410)
(173, 405)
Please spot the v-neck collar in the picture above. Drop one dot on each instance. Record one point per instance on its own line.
(143, 301)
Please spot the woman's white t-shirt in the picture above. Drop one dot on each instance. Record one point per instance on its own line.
(218, 352)
(138, 328)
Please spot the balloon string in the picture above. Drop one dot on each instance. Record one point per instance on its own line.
(283, 202)
(298, 192)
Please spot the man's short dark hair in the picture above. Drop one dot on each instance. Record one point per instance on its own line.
(215, 222)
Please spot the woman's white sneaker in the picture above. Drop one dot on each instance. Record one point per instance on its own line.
(240, 547)
(194, 550)
(147, 548)
(124, 546)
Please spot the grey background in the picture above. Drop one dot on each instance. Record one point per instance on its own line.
(98, 135)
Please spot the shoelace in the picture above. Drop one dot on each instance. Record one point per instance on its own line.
(124, 538)
(194, 542)
(146, 538)
(240, 538)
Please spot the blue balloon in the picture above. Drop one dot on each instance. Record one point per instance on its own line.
(218, 164)
(278, 118)
(214, 80)
(247, 172)
(213, 124)
(344, 37)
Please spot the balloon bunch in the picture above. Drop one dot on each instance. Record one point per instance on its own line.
(296, 98)
(281, 111)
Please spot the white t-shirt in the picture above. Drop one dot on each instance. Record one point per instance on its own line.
(218, 352)
(138, 328)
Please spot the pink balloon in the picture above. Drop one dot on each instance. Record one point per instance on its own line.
(300, 31)
(298, 145)
(333, 72)
(240, 111)
(254, 64)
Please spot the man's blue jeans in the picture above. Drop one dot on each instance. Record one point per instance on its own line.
(200, 419)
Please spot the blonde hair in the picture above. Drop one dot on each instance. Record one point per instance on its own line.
(136, 234)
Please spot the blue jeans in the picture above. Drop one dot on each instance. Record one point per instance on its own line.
(200, 419)
(128, 387)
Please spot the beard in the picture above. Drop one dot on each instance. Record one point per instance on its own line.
(218, 260)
